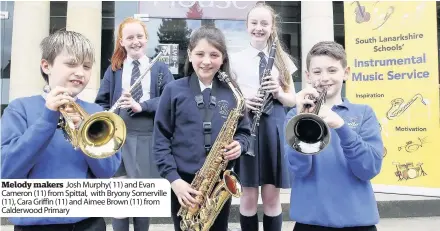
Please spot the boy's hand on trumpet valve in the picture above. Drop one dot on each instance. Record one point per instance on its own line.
(330, 117)
(304, 98)
(57, 97)
(127, 101)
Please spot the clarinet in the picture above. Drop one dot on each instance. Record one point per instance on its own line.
(267, 97)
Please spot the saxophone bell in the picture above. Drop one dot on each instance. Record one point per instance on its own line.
(307, 133)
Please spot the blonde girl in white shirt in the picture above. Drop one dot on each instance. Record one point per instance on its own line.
(267, 168)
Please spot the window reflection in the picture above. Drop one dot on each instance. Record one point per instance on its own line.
(178, 31)
(58, 8)
(6, 43)
(171, 23)
(6, 39)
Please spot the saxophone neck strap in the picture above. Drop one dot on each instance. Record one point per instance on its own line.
(206, 111)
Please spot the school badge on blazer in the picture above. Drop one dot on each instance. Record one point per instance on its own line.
(223, 108)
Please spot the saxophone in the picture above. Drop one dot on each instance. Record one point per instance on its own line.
(215, 191)
(396, 108)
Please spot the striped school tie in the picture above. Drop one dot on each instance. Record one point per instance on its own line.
(263, 63)
(135, 74)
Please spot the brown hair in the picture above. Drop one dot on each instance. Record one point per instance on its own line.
(281, 56)
(330, 49)
(119, 54)
(216, 38)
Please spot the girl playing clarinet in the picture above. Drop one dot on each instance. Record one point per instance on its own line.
(265, 167)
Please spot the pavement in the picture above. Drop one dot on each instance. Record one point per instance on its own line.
(388, 224)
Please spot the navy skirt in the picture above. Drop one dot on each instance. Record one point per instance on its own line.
(268, 165)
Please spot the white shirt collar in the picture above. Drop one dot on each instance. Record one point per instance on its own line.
(203, 87)
(143, 60)
(253, 52)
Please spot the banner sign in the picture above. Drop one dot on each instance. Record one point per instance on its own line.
(393, 55)
(236, 10)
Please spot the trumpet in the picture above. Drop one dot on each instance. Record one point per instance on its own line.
(99, 135)
(137, 82)
(307, 133)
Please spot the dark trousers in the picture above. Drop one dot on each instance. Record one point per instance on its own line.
(220, 224)
(304, 227)
(90, 224)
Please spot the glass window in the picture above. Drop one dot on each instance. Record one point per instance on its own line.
(6, 39)
(57, 23)
(58, 16)
(338, 12)
(339, 29)
(178, 31)
(171, 22)
(289, 11)
(339, 33)
(107, 35)
(58, 8)
(6, 43)
(290, 33)
(108, 9)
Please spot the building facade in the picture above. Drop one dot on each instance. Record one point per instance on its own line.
(25, 24)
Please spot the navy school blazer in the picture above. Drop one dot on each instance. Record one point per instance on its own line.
(111, 88)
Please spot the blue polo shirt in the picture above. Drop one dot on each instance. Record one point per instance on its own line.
(333, 188)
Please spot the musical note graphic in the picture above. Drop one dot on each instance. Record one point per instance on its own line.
(408, 171)
(412, 146)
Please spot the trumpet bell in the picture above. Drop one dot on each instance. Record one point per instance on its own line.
(102, 135)
(307, 134)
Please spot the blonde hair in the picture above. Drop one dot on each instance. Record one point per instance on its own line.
(119, 54)
(74, 43)
(282, 58)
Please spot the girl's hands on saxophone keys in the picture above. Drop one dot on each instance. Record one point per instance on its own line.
(232, 151)
(253, 102)
(185, 193)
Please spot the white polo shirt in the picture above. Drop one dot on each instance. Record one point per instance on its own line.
(245, 66)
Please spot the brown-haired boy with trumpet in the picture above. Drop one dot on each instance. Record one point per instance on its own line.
(332, 189)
